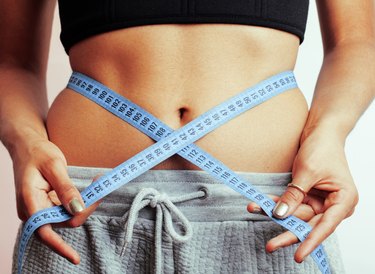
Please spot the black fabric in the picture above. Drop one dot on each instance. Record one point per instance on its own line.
(83, 18)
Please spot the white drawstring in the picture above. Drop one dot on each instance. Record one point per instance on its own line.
(164, 207)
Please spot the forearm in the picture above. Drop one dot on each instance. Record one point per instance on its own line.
(345, 88)
(23, 106)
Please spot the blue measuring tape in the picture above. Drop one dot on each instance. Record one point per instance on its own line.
(170, 142)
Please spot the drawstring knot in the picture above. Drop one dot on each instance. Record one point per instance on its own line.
(164, 208)
(159, 198)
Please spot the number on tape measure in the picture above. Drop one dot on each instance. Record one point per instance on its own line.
(181, 142)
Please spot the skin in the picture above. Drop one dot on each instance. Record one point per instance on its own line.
(186, 71)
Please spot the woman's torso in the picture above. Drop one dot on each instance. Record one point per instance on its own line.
(177, 72)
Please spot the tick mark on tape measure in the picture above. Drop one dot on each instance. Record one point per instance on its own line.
(154, 128)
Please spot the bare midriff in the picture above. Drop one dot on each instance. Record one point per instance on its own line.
(177, 72)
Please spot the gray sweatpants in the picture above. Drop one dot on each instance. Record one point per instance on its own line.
(174, 221)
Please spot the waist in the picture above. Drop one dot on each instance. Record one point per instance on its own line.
(177, 82)
(264, 139)
(220, 202)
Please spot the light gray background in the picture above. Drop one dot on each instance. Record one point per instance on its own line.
(355, 234)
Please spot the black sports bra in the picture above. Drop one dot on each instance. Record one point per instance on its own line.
(81, 19)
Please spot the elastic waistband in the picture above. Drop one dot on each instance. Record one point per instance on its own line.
(220, 203)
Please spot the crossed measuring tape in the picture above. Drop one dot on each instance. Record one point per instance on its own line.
(170, 142)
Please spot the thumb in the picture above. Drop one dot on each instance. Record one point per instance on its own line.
(291, 199)
(79, 219)
(55, 199)
(56, 174)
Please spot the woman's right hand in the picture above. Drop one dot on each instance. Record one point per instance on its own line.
(42, 181)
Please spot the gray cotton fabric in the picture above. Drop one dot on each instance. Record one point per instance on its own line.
(174, 221)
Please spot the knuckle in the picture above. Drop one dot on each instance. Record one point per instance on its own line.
(356, 198)
(310, 168)
(351, 212)
(329, 227)
(330, 230)
(51, 163)
(293, 194)
(65, 191)
(66, 188)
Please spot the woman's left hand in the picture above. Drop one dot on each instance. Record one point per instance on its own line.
(320, 168)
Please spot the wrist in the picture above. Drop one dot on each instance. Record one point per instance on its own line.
(325, 128)
(16, 139)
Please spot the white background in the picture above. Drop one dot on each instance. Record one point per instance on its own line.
(355, 234)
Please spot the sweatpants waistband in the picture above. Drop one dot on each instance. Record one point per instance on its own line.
(217, 202)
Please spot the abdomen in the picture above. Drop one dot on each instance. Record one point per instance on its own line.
(178, 72)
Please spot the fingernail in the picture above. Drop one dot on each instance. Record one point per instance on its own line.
(75, 206)
(280, 209)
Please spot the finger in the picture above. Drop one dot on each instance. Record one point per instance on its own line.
(288, 238)
(53, 197)
(325, 227)
(256, 209)
(81, 217)
(311, 206)
(304, 212)
(36, 199)
(57, 244)
(315, 202)
(282, 240)
(35, 194)
(55, 173)
(32, 194)
(290, 200)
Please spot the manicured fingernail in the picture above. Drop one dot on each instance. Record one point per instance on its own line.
(280, 209)
(75, 206)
